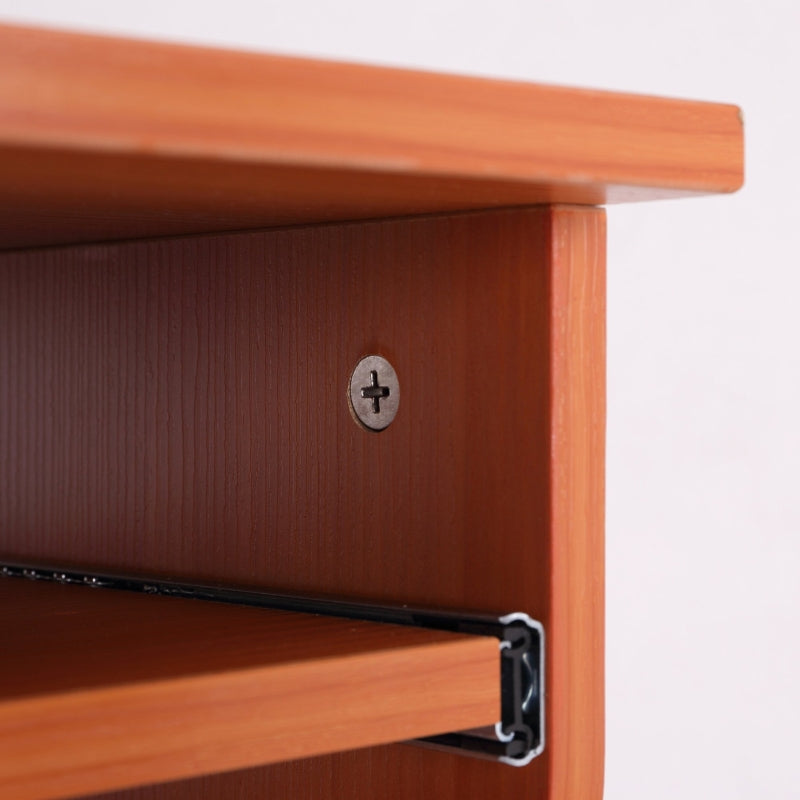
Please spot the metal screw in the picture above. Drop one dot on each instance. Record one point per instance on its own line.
(374, 392)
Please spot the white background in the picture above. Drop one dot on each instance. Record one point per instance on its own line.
(704, 375)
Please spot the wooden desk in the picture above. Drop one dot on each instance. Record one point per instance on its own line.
(200, 246)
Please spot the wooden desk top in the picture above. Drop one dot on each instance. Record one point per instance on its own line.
(104, 138)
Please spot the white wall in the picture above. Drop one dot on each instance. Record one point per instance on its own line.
(704, 391)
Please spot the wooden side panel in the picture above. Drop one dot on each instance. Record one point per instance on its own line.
(101, 689)
(577, 544)
(179, 407)
(104, 138)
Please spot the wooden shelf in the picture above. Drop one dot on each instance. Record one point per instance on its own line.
(105, 138)
(103, 689)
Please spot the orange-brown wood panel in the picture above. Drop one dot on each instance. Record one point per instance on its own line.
(102, 689)
(577, 504)
(179, 407)
(104, 138)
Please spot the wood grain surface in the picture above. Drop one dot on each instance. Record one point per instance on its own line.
(178, 407)
(104, 138)
(102, 689)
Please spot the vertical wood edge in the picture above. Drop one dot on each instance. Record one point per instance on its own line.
(576, 630)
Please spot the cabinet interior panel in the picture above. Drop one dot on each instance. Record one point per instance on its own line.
(179, 408)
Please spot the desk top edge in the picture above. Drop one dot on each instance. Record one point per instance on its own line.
(403, 141)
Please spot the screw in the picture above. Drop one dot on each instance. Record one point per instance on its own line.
(374, 393)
